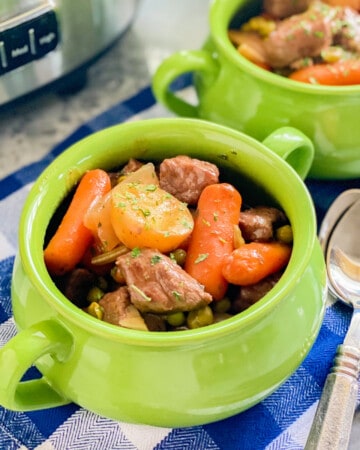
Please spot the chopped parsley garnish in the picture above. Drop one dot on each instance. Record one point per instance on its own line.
(155, 259)
(186, 224)
(177, 295)
(135, 252)
(145, 212)
(151, 187)
(201, 257)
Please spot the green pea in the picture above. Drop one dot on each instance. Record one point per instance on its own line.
(179, 256)
(176, 319)
(95, 294)
(284, 234)
(222, 305)
(200, 318)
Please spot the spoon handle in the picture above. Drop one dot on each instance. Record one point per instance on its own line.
(331, 427)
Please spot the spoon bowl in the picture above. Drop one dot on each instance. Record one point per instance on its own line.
(336, 210)
(343, 257)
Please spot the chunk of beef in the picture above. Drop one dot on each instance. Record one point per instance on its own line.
(186, 177)
(346, 29)
(248, 295)
(132, 166)
(76, 285)
(280, 9)
(157, 284)
(118, 310)
(257, 224)
(302, 35)
(155, 322)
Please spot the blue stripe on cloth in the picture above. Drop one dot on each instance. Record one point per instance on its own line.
(327, 342)
(31, 427)
(115, 115)
(48, 420)
(188, 438)
(17, 429)
(6, 266)
(251, 430)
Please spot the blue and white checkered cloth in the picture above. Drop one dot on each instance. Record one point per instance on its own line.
(282, 421)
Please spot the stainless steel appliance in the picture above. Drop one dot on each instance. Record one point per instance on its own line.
(44, 40)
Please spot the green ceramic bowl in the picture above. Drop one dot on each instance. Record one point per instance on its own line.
(234, 92)
(178, 378)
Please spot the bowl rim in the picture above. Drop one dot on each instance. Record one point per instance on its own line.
(220, 15)
(34, 266)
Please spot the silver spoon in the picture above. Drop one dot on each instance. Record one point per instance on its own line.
(334, 214)
(336, 210)
(332, 424)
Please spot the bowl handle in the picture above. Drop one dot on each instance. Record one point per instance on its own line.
(294, 147)
(173, 67)
(17, 356)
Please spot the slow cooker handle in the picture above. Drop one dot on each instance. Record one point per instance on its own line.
(173, 67)
(294, 147)
(18, 355)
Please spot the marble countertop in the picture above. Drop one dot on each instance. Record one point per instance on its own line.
(29, 129)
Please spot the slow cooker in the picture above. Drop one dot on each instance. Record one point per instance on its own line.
(42, 41)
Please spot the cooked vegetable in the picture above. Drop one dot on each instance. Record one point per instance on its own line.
(222, 306)
(146, 262)
(95, 310)
(200, 317)
(176, 319)
(340, 73)
(109, 257)
(146, 174)
(179, 256)
(355, 4)
(144, 215)
(254, 261)
(98, 217)
(71, 240)
(213, 236)
(284, 234)
(95, 294)
(249, 45)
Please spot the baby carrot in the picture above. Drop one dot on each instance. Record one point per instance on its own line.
(213, 236)
(71, 240)
(254, 261)
(340, 73)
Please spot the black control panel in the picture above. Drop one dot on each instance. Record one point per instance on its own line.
(28, 41)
